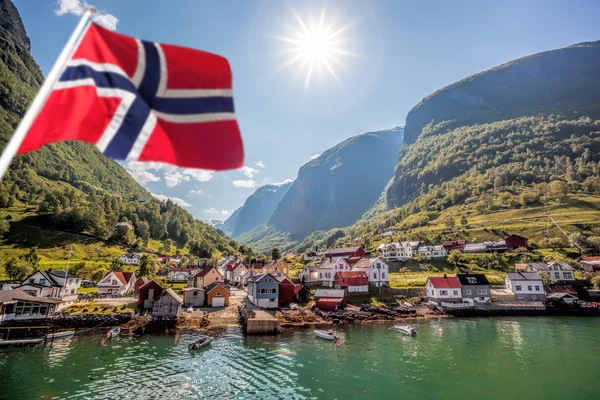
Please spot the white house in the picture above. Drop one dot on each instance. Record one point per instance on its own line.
(20, 305)
(446, 288)
(309, 274)
(311, 256)
(432, 252)
(391, 232)
(234, 274)
(130, 258)
(182, 274)
(560, 272)
(399, 251)
(526, 286)
(329, 267)
(52, 284)
(116, 282)
(376, 270)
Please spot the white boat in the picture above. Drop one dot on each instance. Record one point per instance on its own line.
(57, 335)
(406, 329)
(329, 335)
(114, 332)
(200, 343)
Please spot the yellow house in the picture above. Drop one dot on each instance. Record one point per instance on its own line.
(278, 265)
(205, 277)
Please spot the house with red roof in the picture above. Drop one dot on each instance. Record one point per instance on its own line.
(353, 281)
(591, 264)
(116, 282)
(234, 272)
(443, 288)
(205, 277)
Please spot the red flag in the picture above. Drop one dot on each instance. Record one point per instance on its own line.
(144, 101)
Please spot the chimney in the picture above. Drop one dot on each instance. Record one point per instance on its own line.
(445, 276)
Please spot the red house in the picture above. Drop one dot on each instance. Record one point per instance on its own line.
(450, 245)
(139, 283)
(352, 253)
(354, 281)
(147, 293)
(515, 241)
(330, 299)
(286, 291)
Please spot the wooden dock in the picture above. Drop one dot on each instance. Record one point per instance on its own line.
(258, 322)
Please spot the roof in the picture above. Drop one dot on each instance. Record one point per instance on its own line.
(352, 278)
(475, 247)
(124, 277)
(538, 266)
(174, 295)
(328, 263)
(523, 276)
(336, 293)
(213, 285)
(150, 282)
(312, 267)
(445, 282)
(258, 265)
(516, 236)
(454, 242)
(272, 263)
(362, 263)
(560, 289)
(329, 300)
(143, 279)
(562, 266)
(298, 287)
(10, 296)
(344, 250)
(61, 274)
(439, 247)
(284, 278)
(182, 269)
(501, 292)
(591, 259)
(472, 279)
(256, 278)
(560, 295)
(520, 267)
(204, 271)
(189, 289)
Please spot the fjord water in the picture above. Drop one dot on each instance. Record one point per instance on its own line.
(524, 358)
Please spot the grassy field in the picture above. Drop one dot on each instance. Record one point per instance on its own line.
(93, 308)
(418, 279)
(88, 290)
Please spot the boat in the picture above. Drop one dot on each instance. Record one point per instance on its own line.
(329, 335)
(406, 329)
(201, 343)
(57, 335)
(114, 332)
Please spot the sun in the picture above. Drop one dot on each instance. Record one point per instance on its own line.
(316, 46)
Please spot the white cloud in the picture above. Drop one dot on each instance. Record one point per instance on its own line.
(196, 192)
(288, 180)
(260, 164)
(76, 7)
(248, 184)
(177, 200)
(211, 210)
(201, 175)
(314, 156)
(139, 172)
(225, 213)
(249, 172)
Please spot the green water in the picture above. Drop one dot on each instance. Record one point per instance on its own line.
(520, 358)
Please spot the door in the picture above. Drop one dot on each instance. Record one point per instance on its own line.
(218, 302)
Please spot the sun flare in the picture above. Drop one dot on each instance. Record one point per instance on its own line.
(316, 45)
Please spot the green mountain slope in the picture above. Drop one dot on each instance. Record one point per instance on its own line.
(71, 187)
(563, 81)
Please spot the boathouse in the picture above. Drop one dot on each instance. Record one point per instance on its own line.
(147, 293)
(330, 299)
(168, 304)
(193, 297)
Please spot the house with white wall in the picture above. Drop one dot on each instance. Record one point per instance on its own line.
(376, 270)
(130, 258)
(50, 283)
(526, 286)
(309, 274)
(116, 282)
(443, 288)
(328, 268)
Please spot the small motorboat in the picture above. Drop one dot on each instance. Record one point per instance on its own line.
(190, 309)
(114, 332)
(57, 335)
(201, 343)
(406, 329)
(329, 335)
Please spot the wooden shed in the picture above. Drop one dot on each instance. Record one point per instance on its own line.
(217, 295)
(193, 297)
(330, 299)
(147, 293)
(168, 304)
(286, 291)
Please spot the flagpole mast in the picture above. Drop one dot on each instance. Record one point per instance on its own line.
(38, 102)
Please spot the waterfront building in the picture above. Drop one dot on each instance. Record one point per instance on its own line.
(19, 305)
(193, 297)
(591, 264)
(141, 281)
(526, 286)
(555, 271)
(116, 282)
(286, 291)
(263, 290)
(329, 267)
(167, 304)
(376, 270)
(147, 293)
(474, 286)
(330, 299)
(217, 294)
(443, 288)
(53, 284)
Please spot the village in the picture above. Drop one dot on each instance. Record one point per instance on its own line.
(335, 286)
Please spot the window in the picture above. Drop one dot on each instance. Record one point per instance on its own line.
(378, 266)
(481, 291)
(218, 294)
(443, 292)
(537, 288)
(42, 282)
(456, 292)
(32, 280)
(383, 275)
(518, 287)
(557, 275)
(271, 300)
(272, 291)
(320, 275)
(568, 275)
(195, 293)
(72, 291)
(217, 278)
(262, 291)
(468, 291)
(530, 288)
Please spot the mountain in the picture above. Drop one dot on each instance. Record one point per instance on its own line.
(229, 225)
(257, 209)
(71, 187)
(564, 81)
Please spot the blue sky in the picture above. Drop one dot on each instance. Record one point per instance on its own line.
(390, 54)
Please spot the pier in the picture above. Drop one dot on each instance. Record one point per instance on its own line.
(257, 322)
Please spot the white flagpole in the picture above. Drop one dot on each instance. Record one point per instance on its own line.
(38, 102)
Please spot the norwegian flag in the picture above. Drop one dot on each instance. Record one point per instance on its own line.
(143, 101)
